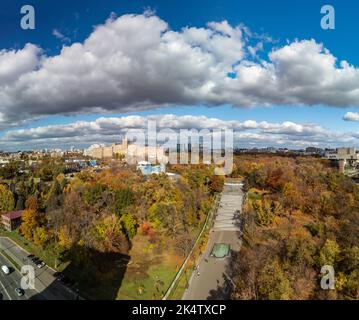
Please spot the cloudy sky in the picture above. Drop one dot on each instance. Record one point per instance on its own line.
(92, 70)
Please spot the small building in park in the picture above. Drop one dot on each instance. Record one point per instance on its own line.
(11, 220)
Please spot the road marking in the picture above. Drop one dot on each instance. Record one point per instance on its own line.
(38, 272)
(5, 291)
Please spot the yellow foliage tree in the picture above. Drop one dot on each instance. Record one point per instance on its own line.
(41, 236)
(6, 199)
(30, 221)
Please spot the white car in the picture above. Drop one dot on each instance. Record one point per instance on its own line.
(5, 269)
(20, 292)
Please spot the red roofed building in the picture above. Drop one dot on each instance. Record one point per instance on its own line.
(11, 220)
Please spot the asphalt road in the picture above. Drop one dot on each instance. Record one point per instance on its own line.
(211, 281)
(46, 286)
(9, 282)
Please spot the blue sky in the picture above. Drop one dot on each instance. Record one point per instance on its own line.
(283, 21)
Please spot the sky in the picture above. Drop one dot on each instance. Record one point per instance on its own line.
(91, 70)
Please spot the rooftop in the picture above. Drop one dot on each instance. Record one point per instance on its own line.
(13, 214)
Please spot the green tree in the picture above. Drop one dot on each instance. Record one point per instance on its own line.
(273, 283)
(109, 235)
(9, 170)
(6, 199)
(129, 225)
(41, 236)
(264, 211)
(53, 198)
(94, 193)
(123, 199)
(328, 255)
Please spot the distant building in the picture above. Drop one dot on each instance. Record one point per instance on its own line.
(147, 168)
(11, 220)
(343, 154)
(93, 163)
(344, 157)
(132, 152)
(314, 151)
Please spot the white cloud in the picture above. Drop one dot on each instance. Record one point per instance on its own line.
(137, 62)
(16, 63)
(59, 35)
(351, 116)
(110, 130)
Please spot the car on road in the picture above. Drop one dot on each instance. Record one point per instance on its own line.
(20, 292)
(5, 269)
(40, 264)
(34, 259)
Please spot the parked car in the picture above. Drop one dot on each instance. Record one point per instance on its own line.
(34, 259)
(19, 292)
(30, 256)
(5, 269)
(59, 276)
(40, 264)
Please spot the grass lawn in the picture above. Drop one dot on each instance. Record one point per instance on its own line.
(150, 286)
(14, 263)
(182, 282)
(46, 254)
(150, 271)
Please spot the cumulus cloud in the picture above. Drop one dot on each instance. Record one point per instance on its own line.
(136, 62)
(16, 63)
(110, 130)
(351, 116)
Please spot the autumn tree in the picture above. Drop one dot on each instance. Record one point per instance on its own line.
(109, 236)
(6, 199)
(32, 203)
(30, 221)
(273, 282)
(41, 236)
(264, 211)
(129, 225)
(291, 196)
(329, 253)
(216, 184)
(123, 199)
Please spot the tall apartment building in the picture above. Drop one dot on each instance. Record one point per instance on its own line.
(133, 153)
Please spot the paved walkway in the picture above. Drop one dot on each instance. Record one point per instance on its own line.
(211, 281)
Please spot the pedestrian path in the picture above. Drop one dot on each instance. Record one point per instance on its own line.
(228, 214)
